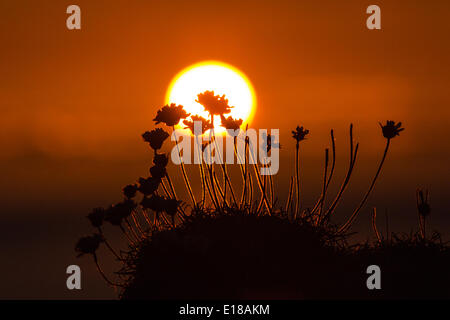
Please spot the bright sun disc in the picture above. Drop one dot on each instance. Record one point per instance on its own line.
(220, 78)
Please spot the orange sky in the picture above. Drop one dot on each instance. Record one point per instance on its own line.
(74, 103)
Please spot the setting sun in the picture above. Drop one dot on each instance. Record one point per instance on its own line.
(220, 78)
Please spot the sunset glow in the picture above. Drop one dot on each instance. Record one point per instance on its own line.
(220, 78)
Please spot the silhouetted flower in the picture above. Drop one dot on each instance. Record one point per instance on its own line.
(230, 123)
(149, 185)
(299, 134)
(215, 105)
(171, 206)
(129, 191)
(116, 213)
(158, 172)
(160, 160)
(171, 114)
(155, 138)
(267, 142)
(423, 206)
(205, 124)
(96, 217)
(88, 244)
(390, 130)
(154, 202)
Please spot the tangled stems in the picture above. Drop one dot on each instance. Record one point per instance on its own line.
(324, 188)
(205, 184)
(260, 184)
(183, 170)
(353, 155)
(225, 174)
(289, 199)
(346, 225)
(321, 200)
(202, 173)
(244, 191)
(241, 166)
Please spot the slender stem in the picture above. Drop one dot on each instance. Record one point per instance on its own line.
(289, 199)
(258, 177)
(212, 175)
(353, 155)
(212, 185)
(250, 194)
(126, 234)
(202, 173)
(387, 225)
(225, 174)
(324, 188)
(172, 190)
(261, 189)
(166, 191)
(271, 191)
(333, 143)
(132, 231)
(136, 223)
(262, 196)
(241, 166)
(355, 213)
(244, 191)
(183, 170)
(108, 245)
(103, 274)
(297, 179)
(374, 224)
(211, 190)
(147, 219)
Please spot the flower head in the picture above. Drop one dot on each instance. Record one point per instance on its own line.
(149, 185)
(160, 160)
(230, 123)
(88, 244)
(205, 124)
(390, 130)
(267, 142)
(155, 138)
(171, 206)
(215, 105)
(129, 191)
(299, 134)
(116, 213)
(158, 172)
(154, 202)
(171, 114)
(96, 217)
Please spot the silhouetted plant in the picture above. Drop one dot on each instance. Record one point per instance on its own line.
(151, 216)
(213, 104)
(89, 245)
(229, 123)
(171, 115)
(155, 138)
(390, 131)
(204, 124)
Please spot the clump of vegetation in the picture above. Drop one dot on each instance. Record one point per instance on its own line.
(227, 245)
